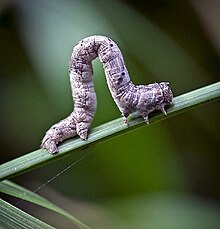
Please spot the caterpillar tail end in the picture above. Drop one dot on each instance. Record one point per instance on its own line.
(49, 145)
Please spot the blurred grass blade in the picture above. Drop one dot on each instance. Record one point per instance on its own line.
(39, 157)
(12, 217)
(15, 190)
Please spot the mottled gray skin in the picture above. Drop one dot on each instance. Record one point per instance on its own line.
(60, 131)
(127, 96)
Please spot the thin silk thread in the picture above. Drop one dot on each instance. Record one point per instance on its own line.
(54, 177)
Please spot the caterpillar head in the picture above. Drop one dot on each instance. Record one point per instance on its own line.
(167, 92)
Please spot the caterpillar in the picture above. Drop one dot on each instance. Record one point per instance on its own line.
(127, 96)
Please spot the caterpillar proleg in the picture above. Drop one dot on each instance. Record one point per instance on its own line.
(127, 96)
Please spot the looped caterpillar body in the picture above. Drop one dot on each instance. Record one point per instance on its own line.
(127, 96)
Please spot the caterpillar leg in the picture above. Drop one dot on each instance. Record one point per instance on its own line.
(82, 129)
(125, 115)
(64, 129)
(146, 119)
(145, 116)
(83, 120)
(163, 110)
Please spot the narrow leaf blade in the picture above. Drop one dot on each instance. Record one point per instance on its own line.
(39, 157)
(12, 217)
(18, 191)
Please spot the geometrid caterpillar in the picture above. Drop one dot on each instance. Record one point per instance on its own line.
(127, 96)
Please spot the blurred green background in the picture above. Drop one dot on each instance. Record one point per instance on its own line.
(165, 175)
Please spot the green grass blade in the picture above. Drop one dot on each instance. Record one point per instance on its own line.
(15, 190)
(12, 217)
(39, 157)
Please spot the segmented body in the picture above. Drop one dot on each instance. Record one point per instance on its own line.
(127, 96)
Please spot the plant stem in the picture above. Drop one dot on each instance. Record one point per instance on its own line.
(116, 127)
